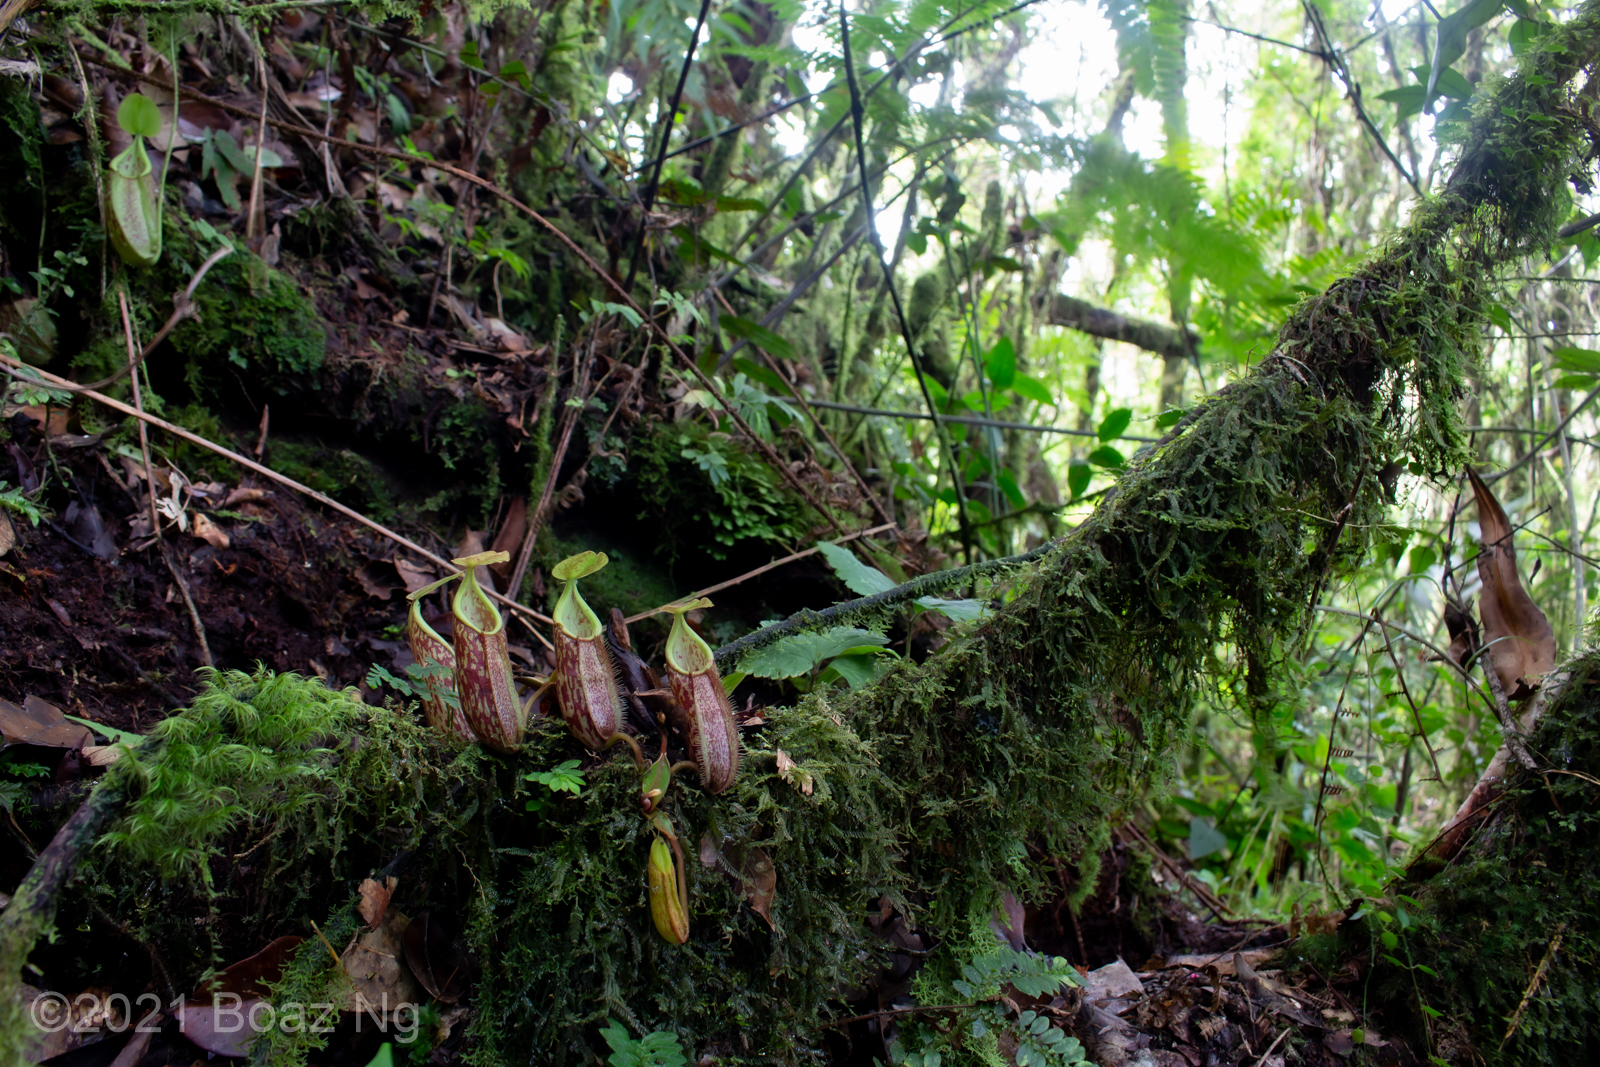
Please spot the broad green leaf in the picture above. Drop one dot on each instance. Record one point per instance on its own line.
(1452, 83)
(760, 373)
(139, 116)
(1204, 838)
(739, 203)
(1422, 557)
(1008, 486)
(1106, 456)
(384, 1058)
(1078, 476)
(1032, 389)
(800, 654)
(1408, 100)
(1453, 30)
(917, 242)
(1523, 33)
(1001, 364)
(1115, 424)
(1169, 418)
(757, 335)
(514, 71)
(1581, 360)
(956, 610)
(855, 671)
(1577, 381)
(857, 576)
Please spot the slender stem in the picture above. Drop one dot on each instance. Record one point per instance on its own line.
(857, 119)
(666, 137)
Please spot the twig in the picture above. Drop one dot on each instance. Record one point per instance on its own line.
(33, 905)
(188, 601)
(306, 490)
(915, 1008)
(250, 224)
(1205, 896)
(569, 422)
(920, 586)
(858, 120)
(1508, 725)
(182, 308)
(1572, 229)
(667, 122)
(1438, 652)
(11, 10)
(764, 568)
(1490, 479)
(968, 420)
(1533, 986)
(1272, 1046)
(1405, 690)
(1352, 88)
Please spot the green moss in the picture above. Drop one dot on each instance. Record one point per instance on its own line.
(1486, 924)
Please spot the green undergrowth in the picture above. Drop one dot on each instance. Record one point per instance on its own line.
(1481, 935)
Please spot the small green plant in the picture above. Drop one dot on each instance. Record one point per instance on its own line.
(655, 1049)
(14, 777)
(416, 682)
(564, 777)
(1040, 1039)
(15, 500)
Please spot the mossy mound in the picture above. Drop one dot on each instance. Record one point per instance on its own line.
(1504, 940)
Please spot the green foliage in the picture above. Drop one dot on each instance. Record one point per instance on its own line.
(707, 490)
(655, 1049)
(983, 1015)
(17, 502)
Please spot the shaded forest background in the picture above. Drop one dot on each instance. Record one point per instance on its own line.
(702, 288)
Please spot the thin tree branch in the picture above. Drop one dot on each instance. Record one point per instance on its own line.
(1166, 341)
(763, 569)
(967, 420)
(919, 586)
(858, 120)
(666, 136)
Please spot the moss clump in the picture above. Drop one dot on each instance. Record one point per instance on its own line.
(1487, 924)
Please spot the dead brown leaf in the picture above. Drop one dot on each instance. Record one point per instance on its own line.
(39, 723)
(375, 899)
(438, 957)
(8, 535)
(509, 539)
(413, 574)
(790, 772)
(1520, 642)
(251, 976)
(760, 879)
(243, 495)
(378, 976)
(379, 578)
(210, 532)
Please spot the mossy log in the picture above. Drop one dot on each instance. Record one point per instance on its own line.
(921, 790)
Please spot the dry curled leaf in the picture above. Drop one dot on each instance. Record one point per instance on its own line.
(375, 900)
(1517, 636)
(8, 536)
(791, 772)
(210, 532)
(40, 723)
